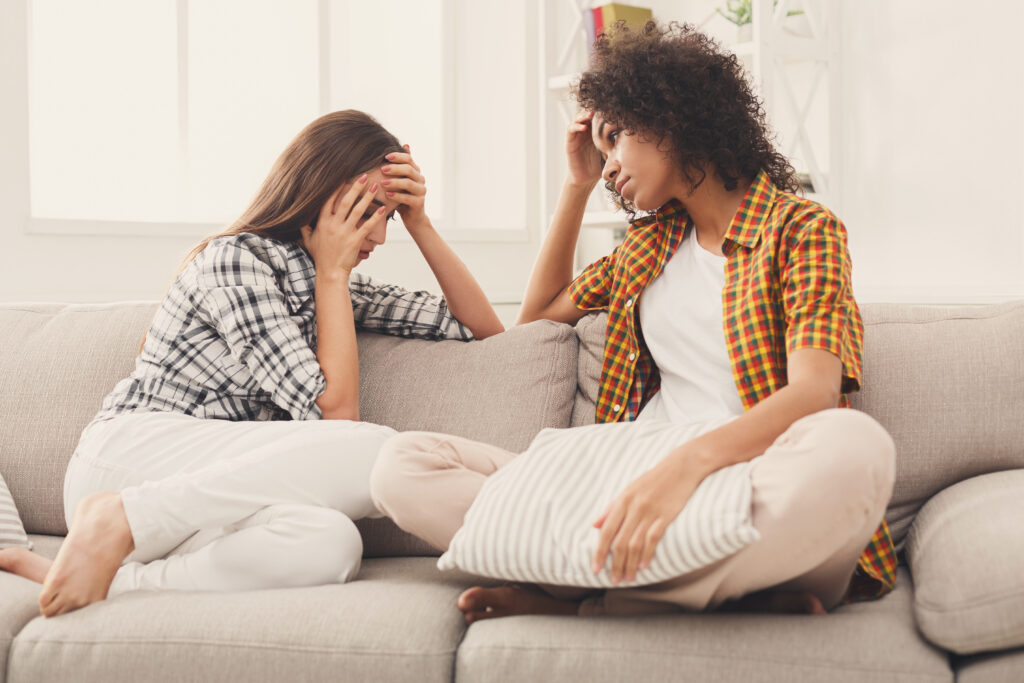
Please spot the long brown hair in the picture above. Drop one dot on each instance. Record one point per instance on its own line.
(327, 153)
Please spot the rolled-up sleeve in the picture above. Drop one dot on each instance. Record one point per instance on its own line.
(241, 298)
(390, 309)
(592, 288)
(821, 312)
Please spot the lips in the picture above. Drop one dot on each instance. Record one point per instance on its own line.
(364, 254)
(621, 184)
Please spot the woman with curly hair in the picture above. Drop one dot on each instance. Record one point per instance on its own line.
(729, 305)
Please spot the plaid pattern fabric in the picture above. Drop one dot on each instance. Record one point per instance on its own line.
(787, 287)
(235, 337)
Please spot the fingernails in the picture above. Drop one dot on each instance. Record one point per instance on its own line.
(616, 579)
(596, 567)
(386, 169)
(390, 157)
(389, 194)
(363, 178)
(386, 181)
(381, 209)
(373, 188)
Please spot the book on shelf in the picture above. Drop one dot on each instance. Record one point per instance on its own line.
(604, 17)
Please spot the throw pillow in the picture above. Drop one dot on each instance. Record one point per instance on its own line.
(12, 532)
(533, 519)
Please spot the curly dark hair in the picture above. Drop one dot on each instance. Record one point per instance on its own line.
(677, 86)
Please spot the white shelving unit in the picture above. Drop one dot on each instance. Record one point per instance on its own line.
(790, 58)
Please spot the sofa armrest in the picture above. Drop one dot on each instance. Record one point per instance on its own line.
(966, 554)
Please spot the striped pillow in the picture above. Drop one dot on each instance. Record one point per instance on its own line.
(12, 533)
(533, 519)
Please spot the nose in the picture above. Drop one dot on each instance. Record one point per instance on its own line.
(611, 169)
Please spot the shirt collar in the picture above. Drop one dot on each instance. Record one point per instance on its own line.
(754, 213)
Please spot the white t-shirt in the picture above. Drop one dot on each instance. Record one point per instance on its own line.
(681, 319)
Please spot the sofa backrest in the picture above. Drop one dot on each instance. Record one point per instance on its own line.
(947, 382)
(59, 361)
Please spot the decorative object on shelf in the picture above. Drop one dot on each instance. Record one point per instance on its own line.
(741, 13)
(601, 19)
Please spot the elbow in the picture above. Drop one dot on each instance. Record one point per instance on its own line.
(487, 331)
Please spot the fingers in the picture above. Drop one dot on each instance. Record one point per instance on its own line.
(359, 209)
(625, 547)
(653, 537)
(344, 205)
(406, 185)
(610, 526)
(406, 170)
(401, 159)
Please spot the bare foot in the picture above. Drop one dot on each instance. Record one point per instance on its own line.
(25, 563)
(487, 603)
(97, 543)
(776, 602)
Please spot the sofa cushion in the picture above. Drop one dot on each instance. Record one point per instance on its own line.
(966, 550)
(12, 531)
(997, 667)
(591, 331)
(872, 641)
(533, 518)
(58, 363)
(501, 390)
(948, 384)
(396, 622)
(61, 360)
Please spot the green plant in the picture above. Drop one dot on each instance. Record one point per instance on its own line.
(740, 12)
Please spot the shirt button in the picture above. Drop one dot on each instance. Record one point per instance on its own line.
(629, 302)
(632, 356)
(616, 407)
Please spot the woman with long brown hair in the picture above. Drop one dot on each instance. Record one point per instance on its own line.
(232, 457)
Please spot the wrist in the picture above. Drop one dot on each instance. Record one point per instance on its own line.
(576, 187)
(332, 276)
(690, 457)
(418, 224)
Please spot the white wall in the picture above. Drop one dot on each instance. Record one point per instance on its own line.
(933, 150)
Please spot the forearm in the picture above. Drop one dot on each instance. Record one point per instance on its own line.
(553, 271)
(463, 294)
(752, 433)
(336, 351)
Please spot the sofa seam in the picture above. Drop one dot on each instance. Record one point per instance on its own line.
(730, 656)
(224, 644)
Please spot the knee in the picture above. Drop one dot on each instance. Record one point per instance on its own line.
(337, 544)
(856, 448)
(400, 458)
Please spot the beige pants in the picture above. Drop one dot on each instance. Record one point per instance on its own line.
(819, 494)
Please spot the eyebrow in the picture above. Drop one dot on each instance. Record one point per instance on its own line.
(600, 129)
(378, 203)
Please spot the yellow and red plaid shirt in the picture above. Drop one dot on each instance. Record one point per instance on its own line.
(787, 287)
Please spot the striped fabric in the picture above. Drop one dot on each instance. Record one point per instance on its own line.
(533, 518)
(12, 531)
(787, 287)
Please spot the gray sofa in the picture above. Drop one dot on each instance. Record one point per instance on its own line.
(947, 382)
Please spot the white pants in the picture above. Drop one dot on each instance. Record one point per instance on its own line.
(218, 505)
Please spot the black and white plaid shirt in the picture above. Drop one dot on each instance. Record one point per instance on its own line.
(235, 338)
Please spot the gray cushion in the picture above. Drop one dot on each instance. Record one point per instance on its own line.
(58, 364)
(1001, 667)
(590, 330)
(61, 360)
(966, 550)
(501, 390)
(396, 622)
(948, 384)
(873, 641)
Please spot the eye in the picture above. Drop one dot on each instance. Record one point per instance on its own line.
(613, 136)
